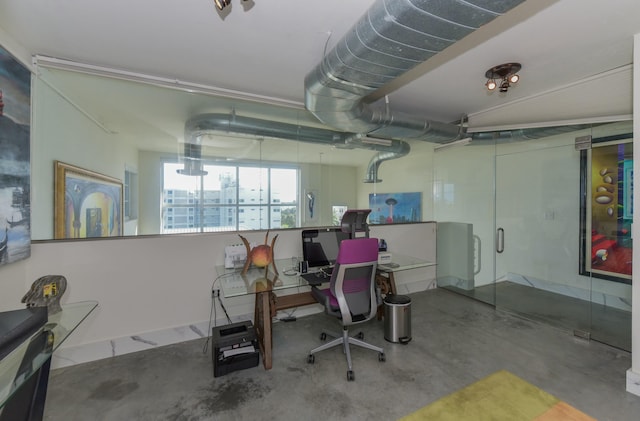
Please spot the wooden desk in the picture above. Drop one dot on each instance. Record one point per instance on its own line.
(262, 283)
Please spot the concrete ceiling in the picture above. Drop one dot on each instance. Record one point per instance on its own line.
(572, 51)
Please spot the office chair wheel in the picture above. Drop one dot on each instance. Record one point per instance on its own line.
(323, 336)
(350, 376)
(360, 335)
(311, 358)
(381, 357)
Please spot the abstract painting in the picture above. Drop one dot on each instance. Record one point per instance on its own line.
(606, 209)
(15, 167)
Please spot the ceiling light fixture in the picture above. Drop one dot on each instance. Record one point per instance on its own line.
(246, 4)
(221, 4)
(502, 76)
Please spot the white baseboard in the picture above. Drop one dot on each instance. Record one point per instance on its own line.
(83, 353)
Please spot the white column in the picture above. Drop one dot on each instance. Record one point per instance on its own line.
(633, 374)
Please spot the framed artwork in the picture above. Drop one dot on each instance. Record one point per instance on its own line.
(86, 204)
(606, 208)
(394, 208)
(311, 205)
(15, 164)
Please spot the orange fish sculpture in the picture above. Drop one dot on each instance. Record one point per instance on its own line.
(260, 256)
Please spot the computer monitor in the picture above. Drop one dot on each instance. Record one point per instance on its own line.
(320, 245)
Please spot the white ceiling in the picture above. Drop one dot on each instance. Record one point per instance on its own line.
(563, 46)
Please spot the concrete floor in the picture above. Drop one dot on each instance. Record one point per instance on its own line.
(603, 323)
(456, 341)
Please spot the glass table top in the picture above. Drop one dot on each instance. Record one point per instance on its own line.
(401, 262)
(233, 283)
(17, 367)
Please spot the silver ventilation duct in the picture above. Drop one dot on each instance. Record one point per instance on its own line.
(192, 160)
(525, 134)
(391, 38)
(203, 124)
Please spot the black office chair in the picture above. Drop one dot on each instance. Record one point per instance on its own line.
(351, 296)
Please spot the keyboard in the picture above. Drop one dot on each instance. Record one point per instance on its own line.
(327, 270)
(316, 278)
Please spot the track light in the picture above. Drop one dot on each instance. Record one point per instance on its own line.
(505, 73)
(221, 4)
(246, 4)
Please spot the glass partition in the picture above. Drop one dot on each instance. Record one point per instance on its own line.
(512, 209)
(183, 161)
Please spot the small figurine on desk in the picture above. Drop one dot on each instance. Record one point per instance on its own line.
(46, 291)
(260, 256)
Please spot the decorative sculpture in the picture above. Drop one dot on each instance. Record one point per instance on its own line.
(260, 256)
(46, 291)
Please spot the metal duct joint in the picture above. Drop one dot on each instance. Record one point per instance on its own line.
(392, 37)
(519, 135)
(192, 160)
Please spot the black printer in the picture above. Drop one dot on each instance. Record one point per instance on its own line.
(235, 347)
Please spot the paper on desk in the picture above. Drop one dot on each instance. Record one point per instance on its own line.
(241, 350)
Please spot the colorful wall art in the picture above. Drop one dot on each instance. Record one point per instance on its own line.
(607, 208)
(87, 204)
(395, 208)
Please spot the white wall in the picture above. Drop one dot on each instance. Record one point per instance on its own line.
(10, 44)
(151, 284)
(333, 185)
(463, 191)
(411, 173)
(68, 135)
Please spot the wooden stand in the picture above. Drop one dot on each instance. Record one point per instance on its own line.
(266, 306)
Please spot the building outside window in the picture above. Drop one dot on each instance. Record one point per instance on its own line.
(266, 197)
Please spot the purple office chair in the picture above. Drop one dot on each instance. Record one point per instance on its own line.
(351, 296)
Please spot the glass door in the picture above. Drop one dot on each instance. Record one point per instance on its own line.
(518, 226)
(463, 195)
(537, 232)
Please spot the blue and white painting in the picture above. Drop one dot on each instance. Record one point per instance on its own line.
(395, 208)
(15, 123)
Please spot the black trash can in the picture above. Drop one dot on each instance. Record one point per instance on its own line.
(397, 318)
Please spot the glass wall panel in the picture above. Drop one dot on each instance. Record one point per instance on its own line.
(538, 231)
(607, 217)
(463, 195)
(518, 226)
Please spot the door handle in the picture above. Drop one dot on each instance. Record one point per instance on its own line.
(477, 254)
(500, 240)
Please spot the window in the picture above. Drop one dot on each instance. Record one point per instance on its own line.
(266, 197)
